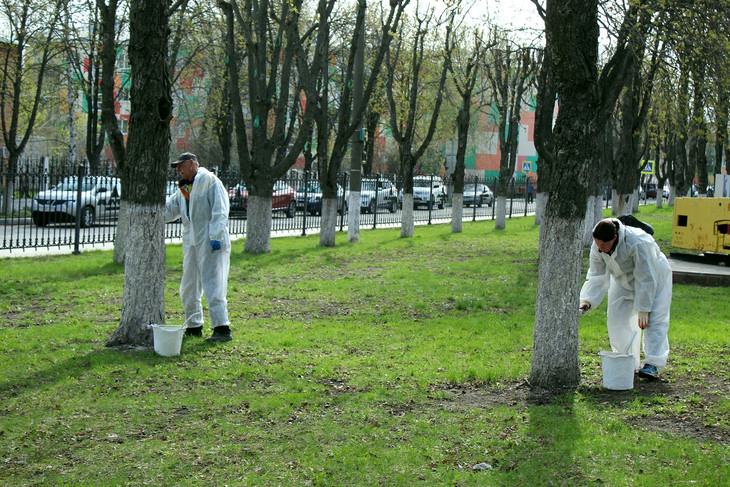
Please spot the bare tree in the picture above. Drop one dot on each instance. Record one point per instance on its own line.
(24, 63)
(83, 45)
(349, 113)
(465, 65)
(279, 78)
(406, 78)
(510, 74)
(111, 21)
(632, 112)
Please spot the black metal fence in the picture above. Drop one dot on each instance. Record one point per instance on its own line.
(46, 207)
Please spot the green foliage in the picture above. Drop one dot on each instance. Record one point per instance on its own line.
(392, 361)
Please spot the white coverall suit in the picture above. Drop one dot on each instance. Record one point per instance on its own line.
(638, 277)
(204, 218)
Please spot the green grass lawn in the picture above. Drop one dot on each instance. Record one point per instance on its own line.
(389, 362)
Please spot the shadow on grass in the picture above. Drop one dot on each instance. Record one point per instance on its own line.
(123, 363)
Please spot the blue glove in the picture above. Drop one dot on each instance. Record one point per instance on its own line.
(215, 245)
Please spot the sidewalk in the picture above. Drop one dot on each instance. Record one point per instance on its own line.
(702, 270)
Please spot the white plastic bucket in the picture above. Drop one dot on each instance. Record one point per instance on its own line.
(618, 370)
(168, 339)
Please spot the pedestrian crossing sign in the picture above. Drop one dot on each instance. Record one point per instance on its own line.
(648, 167)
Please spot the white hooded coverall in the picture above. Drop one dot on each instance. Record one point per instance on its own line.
(638, 277)
(204, 219)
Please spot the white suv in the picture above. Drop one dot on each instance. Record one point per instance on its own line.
(377, 193)
(427, 191)
(99, 199)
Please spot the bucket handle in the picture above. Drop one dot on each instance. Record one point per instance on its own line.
(185, 323)
(627, 347)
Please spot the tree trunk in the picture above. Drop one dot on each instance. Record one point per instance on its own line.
(148, 145)
(328, 223)
(594, 213)
(144, 290)
(572, 44)
(406, 229)
(122, 233)
(353, 217)
(540, 204)
(555, 350)
(258, 230)
(500, 212)
(457, 212)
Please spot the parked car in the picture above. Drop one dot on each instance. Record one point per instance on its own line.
(283, 198)
(377, 193)
(651, 190)
(665, 192)
(99, 200)
(313, 193)
(478, 194)
(427, 192)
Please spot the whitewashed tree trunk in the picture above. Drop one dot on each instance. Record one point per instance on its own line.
(258, 228)
(406, 227)
(555, 339)
(659, 198)
(501, 214)
(457, 212)
(540, 204)
(635, 200)
(353, 217)
(670, 202)
(120, 240)
(143, 301)
(594, 214)
(328, 223)
(623, 205)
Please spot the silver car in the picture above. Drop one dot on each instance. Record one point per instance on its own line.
(100, 198)
(477, 194)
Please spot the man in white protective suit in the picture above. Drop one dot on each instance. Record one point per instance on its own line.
(627, 262)
(201, 202)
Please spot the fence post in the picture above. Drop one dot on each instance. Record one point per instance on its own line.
(344, 201)
(474, 206)
(375, 214)
(511, 194)
(306, 198)
(79, 183)
(430, 199)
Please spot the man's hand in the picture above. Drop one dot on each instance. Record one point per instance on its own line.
(584, 307)
(215, 245)
(643, 319)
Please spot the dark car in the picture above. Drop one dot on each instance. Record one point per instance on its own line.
(651, 190)
(313, 193)
(283, 199)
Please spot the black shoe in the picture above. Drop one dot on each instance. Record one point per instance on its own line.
(220, 334)
(194, 331)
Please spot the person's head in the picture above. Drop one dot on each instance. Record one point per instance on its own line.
(605, 234)
(186, 165)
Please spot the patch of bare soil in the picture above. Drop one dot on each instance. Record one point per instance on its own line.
(675, 405)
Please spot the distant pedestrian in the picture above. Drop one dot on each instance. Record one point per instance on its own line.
(201, 202)
(530, 191)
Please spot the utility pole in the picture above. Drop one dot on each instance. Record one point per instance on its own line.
(353, 215)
